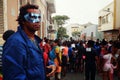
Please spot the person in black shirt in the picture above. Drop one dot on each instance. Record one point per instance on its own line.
(90, 61)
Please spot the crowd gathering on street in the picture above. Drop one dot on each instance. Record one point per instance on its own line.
(91, 57)
(27, 57)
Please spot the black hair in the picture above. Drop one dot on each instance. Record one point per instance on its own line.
(7, 34)
(56, 41)
(23, 11)
(46, 40)
(116, 44)
(90, 43)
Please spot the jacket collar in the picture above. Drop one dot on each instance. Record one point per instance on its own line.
(28, 41)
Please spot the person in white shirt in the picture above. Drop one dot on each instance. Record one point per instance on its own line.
(108, 68)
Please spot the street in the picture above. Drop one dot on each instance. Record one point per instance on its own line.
(80, 76)
(77, 76)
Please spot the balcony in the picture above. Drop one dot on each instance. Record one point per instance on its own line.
(51, 5)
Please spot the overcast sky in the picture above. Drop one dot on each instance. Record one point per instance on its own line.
(80, 11)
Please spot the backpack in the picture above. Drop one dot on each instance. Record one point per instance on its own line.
(52, 54)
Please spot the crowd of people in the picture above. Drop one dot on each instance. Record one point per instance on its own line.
(91, 57)
(27, 57)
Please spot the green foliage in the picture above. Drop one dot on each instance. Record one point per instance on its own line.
(60, 19)
(76, 33)
(66, 36)
(61, 32)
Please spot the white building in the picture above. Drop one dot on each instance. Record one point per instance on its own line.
(90, 32)
(74, 28)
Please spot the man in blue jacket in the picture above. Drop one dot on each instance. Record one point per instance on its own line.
(22, 55)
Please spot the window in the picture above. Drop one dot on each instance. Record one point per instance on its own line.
(109, 18)
(103, 20)
(21, 2)
(32, 1)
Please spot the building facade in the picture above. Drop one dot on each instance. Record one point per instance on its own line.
(74, 28)
(109, 20)
(51, 25)
(8, 16)
(90, 32)
(9, 11)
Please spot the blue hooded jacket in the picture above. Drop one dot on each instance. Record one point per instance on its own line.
(22, 60)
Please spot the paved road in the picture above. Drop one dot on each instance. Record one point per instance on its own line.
(77, 76)
(80, 76)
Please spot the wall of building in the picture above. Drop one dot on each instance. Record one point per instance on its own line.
(1, 16)
(112, 22)
(43, 8)
(12, 14)
(75, 29)
(1, 20)
(90, 32)
(106, 17)
(117, 14)
(72, 28)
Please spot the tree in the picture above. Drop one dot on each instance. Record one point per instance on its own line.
(61, 32)
(66, 36)
(60, 19)
(76, 34)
